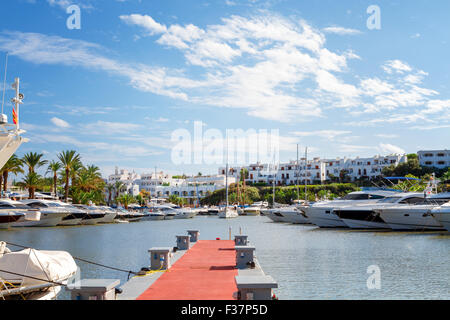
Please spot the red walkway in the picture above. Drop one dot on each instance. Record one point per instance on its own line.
(204, 272)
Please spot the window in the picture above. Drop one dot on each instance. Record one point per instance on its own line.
(428, 163)
(359, 196)
(441, 155)
(412, 200)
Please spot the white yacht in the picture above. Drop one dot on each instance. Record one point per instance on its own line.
(12, 212)
(110, 214)
(154, 215)
(93, 215)
(185, 213)
(126, 215)
(292, 214)
(321, 213)
(213, 211)
(442, 215)
(228, 212)
(253, 210)
(74, 217)
(415, 216)
(51, 214)
(368, 217)
(167, 211)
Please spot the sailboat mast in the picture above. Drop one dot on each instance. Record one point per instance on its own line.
(298, 173)
(306, 165)
(226, 184)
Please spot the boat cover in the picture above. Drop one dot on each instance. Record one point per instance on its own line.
(52, 265)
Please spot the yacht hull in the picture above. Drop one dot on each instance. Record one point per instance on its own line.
(155, 217)
(410, 219)
(361, 224)
(109, 217)
(71, 222)
(47, 220)
(91, 220)
(295, 217)
(443, 218)
(323, 217)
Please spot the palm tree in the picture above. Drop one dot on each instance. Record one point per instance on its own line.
(33, 160)
(110, 189)
(125, 200)
(53, 167)
(118, 187)
(31, 181)
(69, 159)
(14, 165)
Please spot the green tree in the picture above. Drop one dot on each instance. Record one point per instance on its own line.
(53, 168)
(14, 166)
(31, 181)
(69, 159)
(125, 200)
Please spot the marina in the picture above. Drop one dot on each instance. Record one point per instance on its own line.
(106, 195)
(307, 262)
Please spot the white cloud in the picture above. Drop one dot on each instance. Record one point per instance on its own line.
(341, 30)
(60, 123)
(145, 22)
(397, 66)
(389, 148)
(326, 134)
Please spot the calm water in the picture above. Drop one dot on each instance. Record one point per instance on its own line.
(307, 262)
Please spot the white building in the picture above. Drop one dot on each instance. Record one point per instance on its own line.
(128, 179)
(316, 170)
(363, 167)
(434, 158)
(163, 185)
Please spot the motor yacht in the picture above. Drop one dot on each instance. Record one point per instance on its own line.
(253, 210)
(13, 211)
(185, 213)
(213, 211)
(126, 215)
(75, 214)
(51, 214)
(415, 216)
(321, 213)
(110, 214)
(93, 215)
(368, 217)
(292, 214)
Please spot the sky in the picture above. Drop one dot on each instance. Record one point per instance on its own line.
(138, 71)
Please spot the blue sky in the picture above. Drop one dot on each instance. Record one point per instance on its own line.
(138, 70)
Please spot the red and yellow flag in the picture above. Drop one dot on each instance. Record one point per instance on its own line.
(14, 116)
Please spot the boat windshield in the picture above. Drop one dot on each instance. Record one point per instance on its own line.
(389, 200)
(362, 196)
(6, 205)
(437, 201)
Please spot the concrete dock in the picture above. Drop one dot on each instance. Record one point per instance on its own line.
(202, 270)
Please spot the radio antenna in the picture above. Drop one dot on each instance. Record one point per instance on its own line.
(4, 82)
